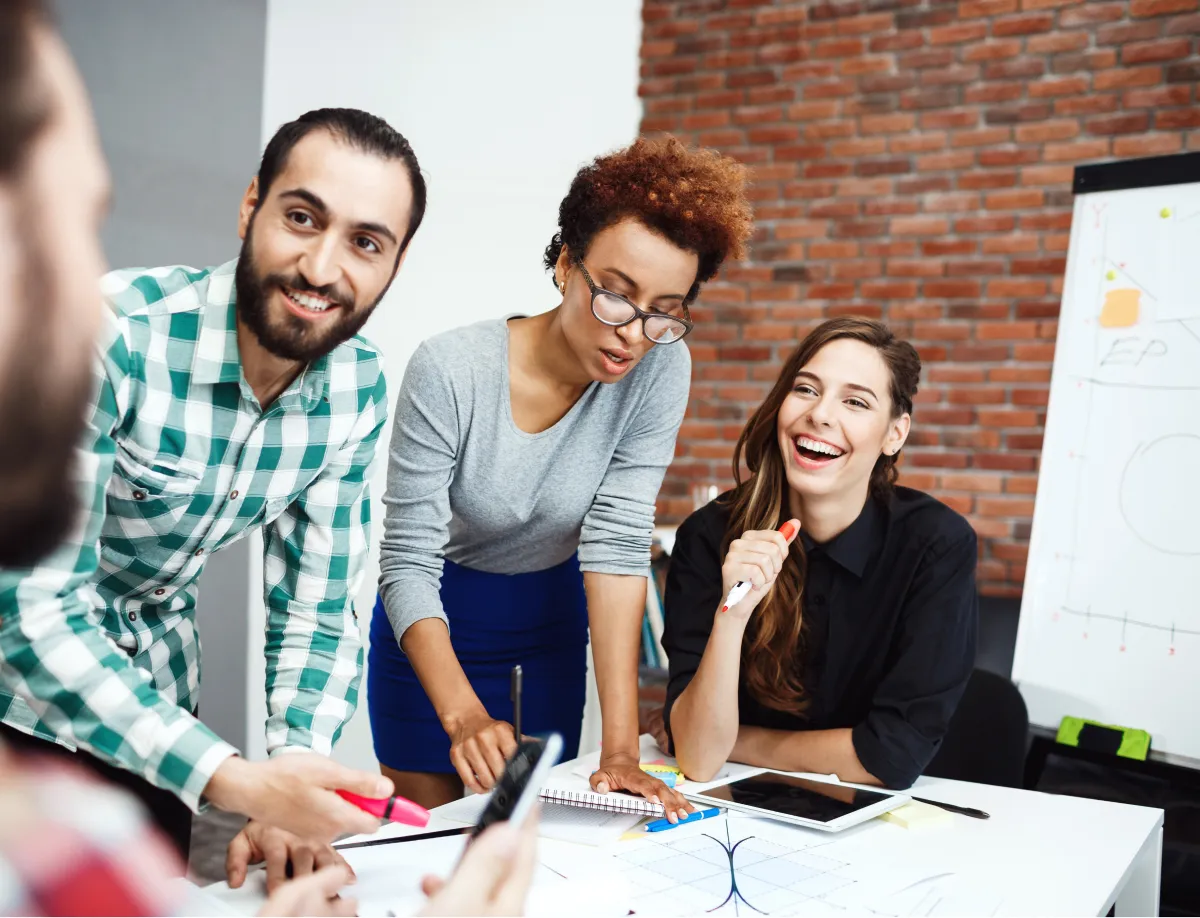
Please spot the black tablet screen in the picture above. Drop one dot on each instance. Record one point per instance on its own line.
(815, 800)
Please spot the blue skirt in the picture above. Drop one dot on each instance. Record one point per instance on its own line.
(496, 621)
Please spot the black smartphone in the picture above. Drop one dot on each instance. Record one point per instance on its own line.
(517, 790)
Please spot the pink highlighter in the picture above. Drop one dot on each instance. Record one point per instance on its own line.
(389, 809)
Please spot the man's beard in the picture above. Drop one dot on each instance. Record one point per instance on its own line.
(44, 399)
(291, 337)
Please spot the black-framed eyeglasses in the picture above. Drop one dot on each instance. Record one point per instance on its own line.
(615, 311)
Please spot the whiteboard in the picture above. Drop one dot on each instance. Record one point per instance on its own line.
(1110, 614)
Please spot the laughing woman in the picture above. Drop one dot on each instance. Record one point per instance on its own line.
(526, 458)
(853, 647)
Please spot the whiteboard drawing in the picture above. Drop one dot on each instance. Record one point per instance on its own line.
(1110, 617)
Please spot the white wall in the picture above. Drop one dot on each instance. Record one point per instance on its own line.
(502, 103)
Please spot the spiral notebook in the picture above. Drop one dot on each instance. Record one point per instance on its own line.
(572, 790)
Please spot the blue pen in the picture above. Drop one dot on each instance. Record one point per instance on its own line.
(660, 825)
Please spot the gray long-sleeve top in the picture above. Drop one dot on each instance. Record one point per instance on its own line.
(465, 483)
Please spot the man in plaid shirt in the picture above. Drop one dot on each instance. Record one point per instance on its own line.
(225, 400)
(68, 844)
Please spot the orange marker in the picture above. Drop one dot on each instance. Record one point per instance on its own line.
(742, 587)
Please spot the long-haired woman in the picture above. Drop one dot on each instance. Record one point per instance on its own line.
(853, 647)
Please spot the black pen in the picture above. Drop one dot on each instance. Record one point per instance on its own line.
(516, 700)
(963, 810)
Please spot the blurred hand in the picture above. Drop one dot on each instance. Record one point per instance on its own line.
(315, 894)
(479, 749)
(296, 792)
(621, 772)
(654, 724)
(757, 558)
(259, 842)
(493, 876)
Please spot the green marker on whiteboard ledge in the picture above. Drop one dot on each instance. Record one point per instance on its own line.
(1096, 737)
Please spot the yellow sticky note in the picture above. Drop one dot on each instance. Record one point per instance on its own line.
(917, 815)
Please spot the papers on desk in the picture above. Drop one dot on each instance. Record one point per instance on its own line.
(389, 880)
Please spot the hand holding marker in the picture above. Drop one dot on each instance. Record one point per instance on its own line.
(742, 587)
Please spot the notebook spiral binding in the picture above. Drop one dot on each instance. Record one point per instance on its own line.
(611, 804)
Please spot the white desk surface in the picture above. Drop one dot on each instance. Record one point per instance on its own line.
(1044, 854)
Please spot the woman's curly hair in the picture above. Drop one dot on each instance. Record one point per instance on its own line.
(695, 198)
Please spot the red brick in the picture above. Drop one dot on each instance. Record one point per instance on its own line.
(1019, 374)
(1057, 42)
(1150, 145)
(1023, 25)
(887, 124)
(1184, 25)
(1085, 105)
(948, 247)
(1159, 97)
(1017, 199)
(777, 133)
(919, 226)
(958, 33)
(982, 138)
(1090, 13)
(900, 41)
(959, 118)
(916, 268)
(1005, 461)
(992, 50)
(1165, 50)
(996, 223)
(839, 47)
(940, 460)
(699, 122)
(1019, 68)
(1122, 32)
(989, 179)
(861, 25)
(988, 484)
(852, 149)
(1009, 245)
(1015, 288)
(1067, 86)
(919, 143)
(895, 290)
(834, 250)
(1074, 151)
(1177, 119)
(859, 65)
(1006, 331)
(994, 92)
(940, 331)
(1047, 175)
(1047, 130)
(949, 203)
(1124, 78)
(952, 289)
(1005, 506)
(1132, 123)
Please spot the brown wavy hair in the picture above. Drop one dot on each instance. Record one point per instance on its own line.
(761, 502)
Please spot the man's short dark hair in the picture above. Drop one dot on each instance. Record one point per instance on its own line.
(359, 129)
(24, 101)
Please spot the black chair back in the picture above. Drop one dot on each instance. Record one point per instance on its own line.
(988, 735)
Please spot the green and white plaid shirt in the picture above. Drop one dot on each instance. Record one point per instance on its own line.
(98, 645)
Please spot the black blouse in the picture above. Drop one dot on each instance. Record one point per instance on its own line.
(890, 614)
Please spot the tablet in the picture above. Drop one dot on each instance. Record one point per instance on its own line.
(801, 801)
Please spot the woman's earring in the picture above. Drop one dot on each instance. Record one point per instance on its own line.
(562, 287)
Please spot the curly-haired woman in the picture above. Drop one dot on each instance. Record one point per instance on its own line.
(853, 647)
(525, 460)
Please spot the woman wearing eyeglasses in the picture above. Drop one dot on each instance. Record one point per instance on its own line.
(526, 456)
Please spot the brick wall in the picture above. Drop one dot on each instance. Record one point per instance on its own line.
(912, 161)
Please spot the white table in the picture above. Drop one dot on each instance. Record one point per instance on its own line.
(1049, 854)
